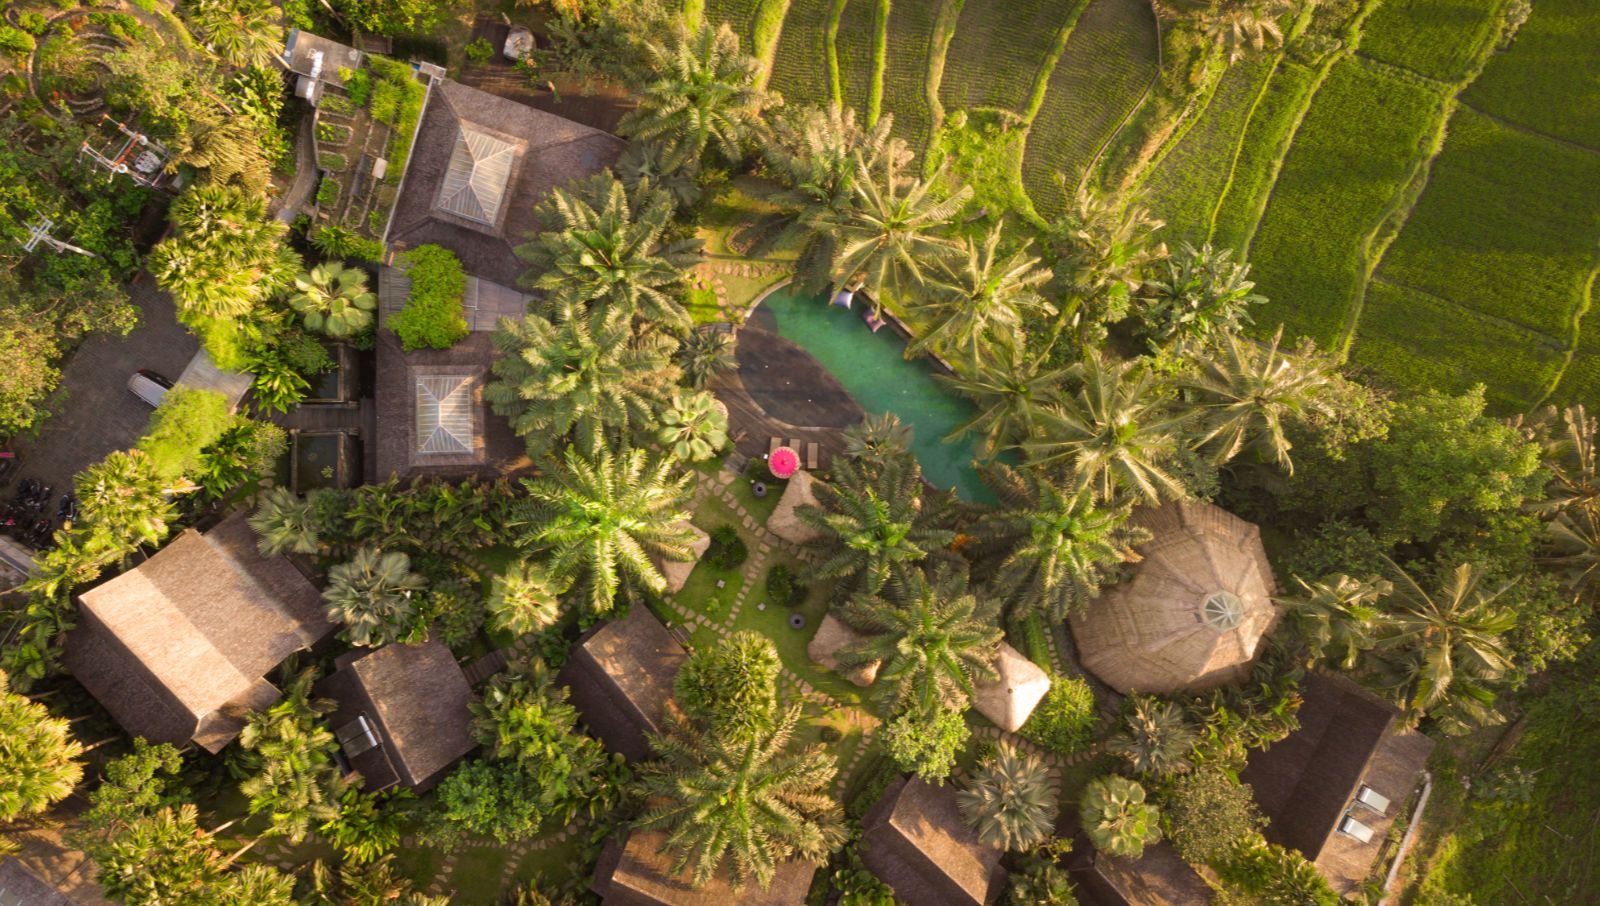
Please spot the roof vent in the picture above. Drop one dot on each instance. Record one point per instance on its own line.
(1222, 610)
(356, 737)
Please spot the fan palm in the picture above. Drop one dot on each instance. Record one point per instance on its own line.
(523, 599)
(1156, 737)
(932, 642)
(872, 523)
(334, 300)
(883, 240)
(705, 352)
(1247, 392)
(39, 759)
(226, 256)
(242, 32)
(123, 494)
(285, 523)
(604, 518)
(702, 93)
(1009, 800)
(1104, 245)
(1053, 548)
(591, 378)
(1567, 448)
(1199, 294)
(1114, 434)
(288, 753)
(746, 802)
(1573, 546)
(979, 295)
(604, 251)
(377, 597)
(694, 427)
(1117, 818)
(1010, 388)
(1338, 616)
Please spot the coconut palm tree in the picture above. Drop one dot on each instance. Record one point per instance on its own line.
(748, 803)
(642, 165)
(1444, 649)
(694, 427)
(705, 352)
(590, 378)
(285, 523)
(701, 93)
(1247, 392)
(603, 518)
(604, 250)
(893, 229)
(1156, 737)
(288, 755)
(977, 296)
(377, 598)
(39, 760)
(1572, 546)
(1117, 818)
(123, 494)
(242, 32)
(1569, 452)
(523, 599)
(878, 438)
(1198, 294)
(1338, 616)
(1009, 800)
(932, 640)
(1104, 245)
(872, 523)
(1242, 26)
(227, 255)
(1011, 388)
(1115, 434)
(334, 299)
(1050, 549)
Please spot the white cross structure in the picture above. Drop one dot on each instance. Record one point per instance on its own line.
(39, 233)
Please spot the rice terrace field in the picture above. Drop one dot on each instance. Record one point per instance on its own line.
(1416, 183)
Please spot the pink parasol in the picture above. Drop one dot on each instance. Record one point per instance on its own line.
(784, 462)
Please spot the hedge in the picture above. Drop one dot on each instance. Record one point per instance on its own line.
(432, 315)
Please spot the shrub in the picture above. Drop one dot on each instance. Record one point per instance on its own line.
(358, 85)
(1064, 722)
(1116, 817)
(727, 550)
(328, 192)
(432, 315)
(480, 51)
(33, 23)
(1275, 875)
(187, 420)
(332, 160)
(15, 40)
(927, 744)
(458, 613)
(783, 589)
(336, 241)
(1205, 814)
(732, 685)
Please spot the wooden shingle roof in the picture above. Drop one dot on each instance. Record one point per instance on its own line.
(917, 842)
(621, 674)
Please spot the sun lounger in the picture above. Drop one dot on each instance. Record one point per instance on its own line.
(813, 456)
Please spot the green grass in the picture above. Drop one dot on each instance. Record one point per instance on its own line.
(791, 643)
(477, 873)
(1554, 58)
(985, 154)
(1437, 38)
(905, 78)
(1261, 149)
(797, 67)
(1353, 155)
(997, 51)
(1108, 63)
(553, 865)
(857, 36)
(739, 14)
(765, 31)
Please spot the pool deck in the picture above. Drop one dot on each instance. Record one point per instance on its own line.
(779, 390)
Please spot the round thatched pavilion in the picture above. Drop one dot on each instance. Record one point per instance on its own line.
(1195, 610)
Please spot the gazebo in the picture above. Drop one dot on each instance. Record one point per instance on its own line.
(832, 635)
(676, 572)
(1194, 613)
(1018, 688)
(784, 521)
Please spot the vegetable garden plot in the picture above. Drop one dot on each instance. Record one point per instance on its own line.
(905, 78)
(998, 50)
(854, 46)
(1353, 154)
(800, 71)
(1261, 148)
(1550, 78)
(1437, 38)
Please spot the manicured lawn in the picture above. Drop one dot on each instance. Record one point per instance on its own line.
(477, 873)
(773, 622)
(1437, 38)
(553, 866)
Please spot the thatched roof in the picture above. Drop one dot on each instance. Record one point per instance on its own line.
(1013, 695)
(636, 874)
(833, 634)
(174, 647)
(917, 842)
(1158, 878)
(1307, 783)
(784, 522)
(621, 675)
(414, 698)
(1193, 614)
(21, 887)
(677, 572)
(535, 152)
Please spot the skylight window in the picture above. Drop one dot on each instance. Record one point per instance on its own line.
(474, 186)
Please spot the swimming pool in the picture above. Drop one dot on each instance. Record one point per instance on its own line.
(873, 369)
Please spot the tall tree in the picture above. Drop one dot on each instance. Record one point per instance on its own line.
(39, 760)
(1010, 389)
(978, 298)
(1338, 616)
(1249, 393)
(241, 32)
(894, 228)
(700, 93)
(334, 299)
(1198, 294)
(704, 353)
(873, 524)
(524, 599)
(377, 598)
(732, 686)
(226, 256)
(123, 496)
(285, 522)
(1156, 738)
(1009, 799)
(1104, 246)
(1242, 26)
(287, 752)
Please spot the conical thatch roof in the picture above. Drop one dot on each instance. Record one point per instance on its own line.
(784, 522)
(832, 635)
(1195, 611)
(677, 572)
(1013, 695)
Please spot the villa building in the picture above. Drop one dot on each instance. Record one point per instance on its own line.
(915, 840)
(621, 675)
(633, 871)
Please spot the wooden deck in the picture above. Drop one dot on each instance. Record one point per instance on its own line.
(780, 391)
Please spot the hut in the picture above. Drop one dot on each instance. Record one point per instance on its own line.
(621, 675)
(1334, 787)
(1010, 698)
(178, 648)
(402, 716)
(676, 572)
(832, 635)
(1160, 877)
(784, 521)
(632, 871)
(916, 841)
(1195, 611)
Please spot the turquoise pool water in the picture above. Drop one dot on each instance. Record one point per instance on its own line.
(872, 367)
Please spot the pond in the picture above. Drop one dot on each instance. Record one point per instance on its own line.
(872, 367)
(324, 459)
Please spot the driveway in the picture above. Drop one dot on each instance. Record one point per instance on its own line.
(96, 414)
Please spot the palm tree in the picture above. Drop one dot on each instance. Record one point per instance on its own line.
(1011, 389)
(123, 494)
(1116, 817)
(931, 643)
(1338, 616)
(334, 299)
(642, 165)
(1247, 392)
(1572, 546)
(1114, 434)
(39, 760)
(702, 93)
(694, 427)
(226, 256)
(1054, 548)
(603, 518)
(1156, 737)
(285, 523)
(242, 32)
(523, 599)
(1569, 453)
(592, 379)
(883, 240)
(705, 352)
(1199, 294)
(1104, 245)
(872, 523)
(1446, 648)
(980, 296)
(377, 597)
(745, 802)
(1244, 25)
(878, 438)
(288, 754)
(604, 250)
(1009, 800)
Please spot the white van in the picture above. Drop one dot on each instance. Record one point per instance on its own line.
(148, 386)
